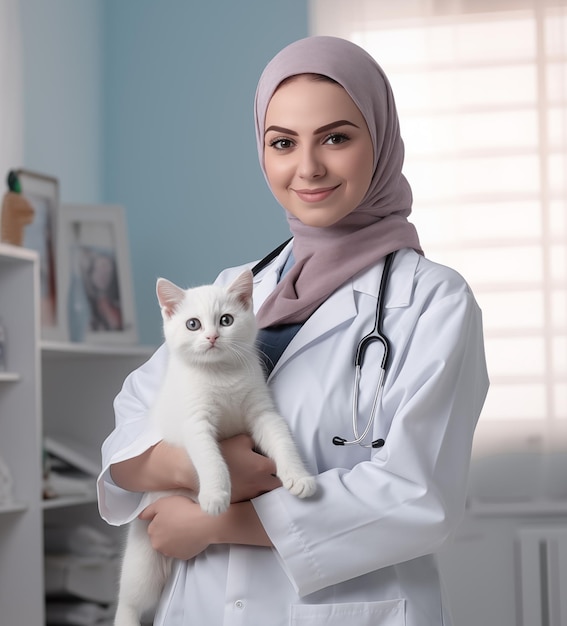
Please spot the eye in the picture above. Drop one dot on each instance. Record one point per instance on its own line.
(193, 324)
(334, 139)
(226, 320)
(281, 143)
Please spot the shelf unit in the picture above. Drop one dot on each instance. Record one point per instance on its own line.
(60, 390)
(21, 540)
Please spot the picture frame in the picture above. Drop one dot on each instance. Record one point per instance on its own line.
(42, 192)
(96, 274)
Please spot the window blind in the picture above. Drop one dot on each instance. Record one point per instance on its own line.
(481, 90)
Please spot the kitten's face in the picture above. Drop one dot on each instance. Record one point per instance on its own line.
(209, 324)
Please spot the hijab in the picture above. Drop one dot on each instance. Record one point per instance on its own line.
(327, 257)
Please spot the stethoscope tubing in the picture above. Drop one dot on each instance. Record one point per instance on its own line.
(377, 334)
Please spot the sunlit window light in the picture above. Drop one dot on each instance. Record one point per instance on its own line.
(485, 130)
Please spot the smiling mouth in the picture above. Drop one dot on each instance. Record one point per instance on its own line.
(314, 195)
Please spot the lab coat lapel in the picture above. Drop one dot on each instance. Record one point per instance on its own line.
(263, 287)
(340, 307)
(336, 310)
(266, 280)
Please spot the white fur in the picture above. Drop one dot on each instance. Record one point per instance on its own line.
(214, 388)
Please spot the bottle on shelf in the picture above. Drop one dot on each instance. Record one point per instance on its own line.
(78, 308)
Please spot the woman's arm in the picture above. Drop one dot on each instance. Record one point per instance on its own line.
(179, 528)
(161, 467)
(165, 466)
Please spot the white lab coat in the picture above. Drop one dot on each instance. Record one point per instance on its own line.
(361, 552)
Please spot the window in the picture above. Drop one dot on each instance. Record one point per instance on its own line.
(481, 89)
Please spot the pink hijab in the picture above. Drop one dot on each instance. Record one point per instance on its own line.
(325, 258)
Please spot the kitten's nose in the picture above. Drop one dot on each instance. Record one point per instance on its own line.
(212, 338)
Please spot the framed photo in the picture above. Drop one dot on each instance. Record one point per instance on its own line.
(96, 275)
(42, 192)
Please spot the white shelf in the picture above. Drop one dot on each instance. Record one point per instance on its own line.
(65, 349)
(68, 501)
(14, 254)
(15, 507)
(9, 377)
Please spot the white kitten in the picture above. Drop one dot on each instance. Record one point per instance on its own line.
(213, 388)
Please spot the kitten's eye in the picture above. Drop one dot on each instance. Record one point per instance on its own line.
(193, 324)
(226, 320)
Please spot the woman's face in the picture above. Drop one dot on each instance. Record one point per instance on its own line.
(318, 153)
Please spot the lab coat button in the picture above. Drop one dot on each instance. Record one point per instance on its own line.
(239, 604)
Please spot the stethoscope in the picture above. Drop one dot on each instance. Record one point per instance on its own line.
(376, 335)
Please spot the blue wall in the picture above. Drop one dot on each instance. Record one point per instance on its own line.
(63, 86)
(149, 104)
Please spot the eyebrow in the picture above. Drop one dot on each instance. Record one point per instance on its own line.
(322, 129)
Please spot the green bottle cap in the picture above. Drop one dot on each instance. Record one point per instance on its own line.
(14, 182)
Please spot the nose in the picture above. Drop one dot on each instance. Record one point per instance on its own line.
(310, 164)
(212, 337)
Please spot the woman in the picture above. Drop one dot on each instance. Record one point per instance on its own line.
(362, 550)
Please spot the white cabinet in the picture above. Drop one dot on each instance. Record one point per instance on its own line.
(507, 565)
(62, 391)
(21, 539)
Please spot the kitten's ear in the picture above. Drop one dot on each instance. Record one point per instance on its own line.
(169, 296)
(242, 287)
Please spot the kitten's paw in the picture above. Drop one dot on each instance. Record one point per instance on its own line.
(302, 487)
(214, 503)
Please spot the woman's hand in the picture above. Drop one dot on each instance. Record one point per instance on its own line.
(178, 527)
(251, 473)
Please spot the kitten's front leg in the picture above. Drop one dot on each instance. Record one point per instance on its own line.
(271, 434)
(201, 444)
